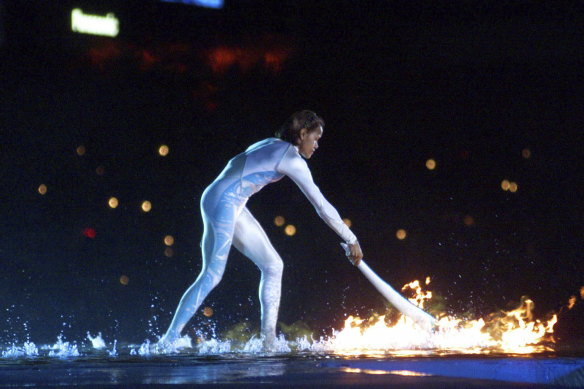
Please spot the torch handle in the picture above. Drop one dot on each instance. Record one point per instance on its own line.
(402, 304)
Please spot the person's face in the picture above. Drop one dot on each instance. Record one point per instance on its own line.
(308, 142)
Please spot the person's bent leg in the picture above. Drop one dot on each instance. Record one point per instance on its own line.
(252, 241)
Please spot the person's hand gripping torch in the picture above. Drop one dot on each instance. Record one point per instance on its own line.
(422, 318)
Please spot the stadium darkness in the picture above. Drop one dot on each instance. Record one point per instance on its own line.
(489, 91)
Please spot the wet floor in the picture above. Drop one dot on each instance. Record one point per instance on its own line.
(293, 370)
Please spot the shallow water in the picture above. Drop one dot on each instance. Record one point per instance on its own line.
(95, 362)
(297, 369)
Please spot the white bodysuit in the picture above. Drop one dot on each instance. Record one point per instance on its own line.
(227, 221)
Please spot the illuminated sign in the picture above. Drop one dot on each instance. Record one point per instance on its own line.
(201, 3)
(107, 25)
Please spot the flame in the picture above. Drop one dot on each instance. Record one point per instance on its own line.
(420, 296)
(513, 332)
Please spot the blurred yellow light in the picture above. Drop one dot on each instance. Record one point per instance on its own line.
(348, 222)
(513, 187)
(468, 220)
(81, 150)
(208, 311)
(431, 164)
(401, 234)
(290, 230)
(124, 280)
(168, 240)
(168, 252)
(279, 221)
(526, 153)
(42, 189)
(571, 302)
(146, 206)
(505, 184)
(113, 202)
(163, 150)
(428, 280)
(100, 170)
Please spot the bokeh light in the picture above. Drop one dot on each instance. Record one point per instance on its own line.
(113, 202)
(146, 206)
(279, 221)
(348, 222)
(124, 280)
(168, 252)
(100, 170)
(431, 164)
(571, 302)
(163, 150)
(89, 232)
(526, 153)
(42, 189)
(468, 220)
(208, 311)
(169, 240)
(510, 186)
(290, 230)
(401, 234)
(80, 150)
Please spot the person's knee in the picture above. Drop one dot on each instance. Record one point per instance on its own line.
(275, 268)
(216, 279)
(213, 276)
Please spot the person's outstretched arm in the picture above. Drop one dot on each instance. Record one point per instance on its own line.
(296, 168)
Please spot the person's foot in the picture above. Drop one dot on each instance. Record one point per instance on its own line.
(164, 344)
(273, 344)
(269, 343)
(171, 343)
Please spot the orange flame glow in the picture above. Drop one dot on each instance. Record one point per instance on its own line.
(513, 332)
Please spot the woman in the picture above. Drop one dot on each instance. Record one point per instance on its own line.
(228, 222)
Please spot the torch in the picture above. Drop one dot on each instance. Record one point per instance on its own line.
(422, 318)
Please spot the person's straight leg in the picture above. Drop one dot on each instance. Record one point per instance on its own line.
(215, 246)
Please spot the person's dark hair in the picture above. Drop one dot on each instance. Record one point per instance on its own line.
(290, 130)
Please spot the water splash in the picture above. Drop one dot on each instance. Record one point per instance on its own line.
(63, 349)
(113, 352)
(513, 332)
(29, 349)
(97, 342)
(145, 348)
(214, 346)
(165, 347)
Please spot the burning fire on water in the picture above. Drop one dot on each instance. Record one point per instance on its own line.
(513, 332)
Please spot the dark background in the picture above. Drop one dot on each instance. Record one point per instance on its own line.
(470, 84)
